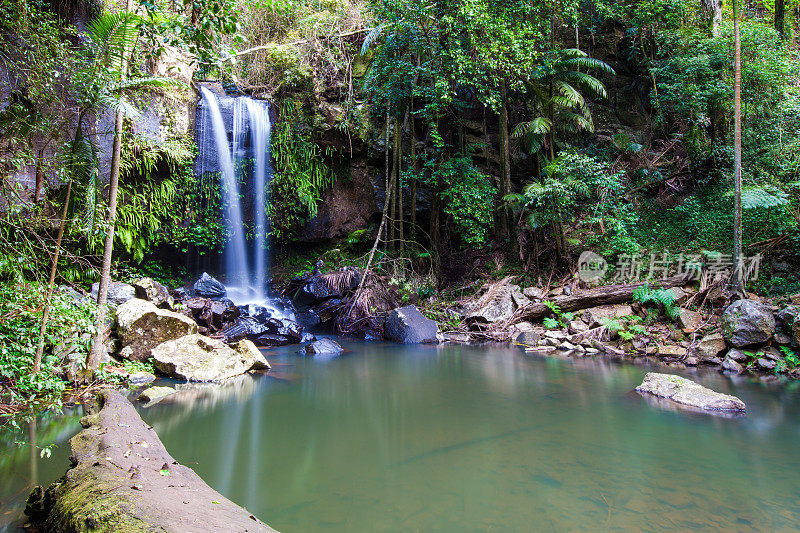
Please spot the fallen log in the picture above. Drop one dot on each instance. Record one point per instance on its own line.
(606, 295)
(123, 479)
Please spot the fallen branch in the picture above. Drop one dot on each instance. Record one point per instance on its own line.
(610, 294)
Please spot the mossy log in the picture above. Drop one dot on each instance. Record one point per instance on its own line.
(123, 479)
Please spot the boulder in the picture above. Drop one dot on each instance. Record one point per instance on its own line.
(534, 293)
(121, 478)
(154, 292)
(765, 364)
(578, 326)
(154, 394)
(594, 315)
(327, 310)
(689, 321)
(670, 350)
(118, 293)
(729, 365)
(528, 338)
(322, 347)
(198, 358)
(686, 392)
(248, 349)
(747, 322)
(141, 378)
(681, 295)
(738, 355)
(269, 340)
(406, 325)
(710, 347)
(796, 332)
(785, 318)
(246, 328)
(499, 307)
(141, 326)
(291, 330)
(209, 287)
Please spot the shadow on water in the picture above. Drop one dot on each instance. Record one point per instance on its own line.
(393, 438)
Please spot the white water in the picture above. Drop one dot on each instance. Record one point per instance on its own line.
(246, 263)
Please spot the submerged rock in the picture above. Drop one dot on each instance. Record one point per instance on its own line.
(322, 347)
(209, 287)
(747, 322)
(123, 479)
(407, 325)
(198, 358)
(141, 326)
(154, 292)
(687, 392)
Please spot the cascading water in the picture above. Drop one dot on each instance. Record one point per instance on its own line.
(246, 263)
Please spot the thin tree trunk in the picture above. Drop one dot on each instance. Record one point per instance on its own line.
(736, 279)
(387, 188)
(400, 210)
(780, 12)
(505, 160)
(101, 330)
(414, 168)
(390, 242)
(39, 176)
(37, 360)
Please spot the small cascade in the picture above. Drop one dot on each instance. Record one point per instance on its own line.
(234, 141)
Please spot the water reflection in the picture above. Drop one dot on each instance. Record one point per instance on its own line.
(392, 438)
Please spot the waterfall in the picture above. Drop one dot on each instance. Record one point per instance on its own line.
(261, 130)
(245, 261)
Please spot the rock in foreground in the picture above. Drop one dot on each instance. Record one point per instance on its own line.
(747, 322)
(123, 479)
(406, 325)
(687, 392)
(199, 358)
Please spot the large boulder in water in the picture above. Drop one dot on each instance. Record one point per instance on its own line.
(118, 293)
(686, 392)
(154, 292)
(747, 322)
(407, 325)
(322, 347)
(199, 358)
(141, 326)
(209, 287)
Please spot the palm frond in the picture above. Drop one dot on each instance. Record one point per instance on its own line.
(149, 82)
(370, 39)
(112, 34)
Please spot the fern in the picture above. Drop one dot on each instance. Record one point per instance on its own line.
(660, 299)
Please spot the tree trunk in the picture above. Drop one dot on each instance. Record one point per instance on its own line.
(392, 228)
(37, 193)
(37, 360)
(101, 331)
(415, 169)
(607, 295)
(736, 278)
(400, 210)
(780, 12)
(505, 162)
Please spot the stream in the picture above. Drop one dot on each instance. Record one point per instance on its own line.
(451, 438)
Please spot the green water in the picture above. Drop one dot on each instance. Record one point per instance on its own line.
(391, 438)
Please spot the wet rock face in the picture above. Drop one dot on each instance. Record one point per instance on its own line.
(199, 358)
(747, 322)
(118, 293)
(686, 392)
(141, 326)
(209, 287)
(407, 325)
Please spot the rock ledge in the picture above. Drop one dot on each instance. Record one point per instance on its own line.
(123, 479)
